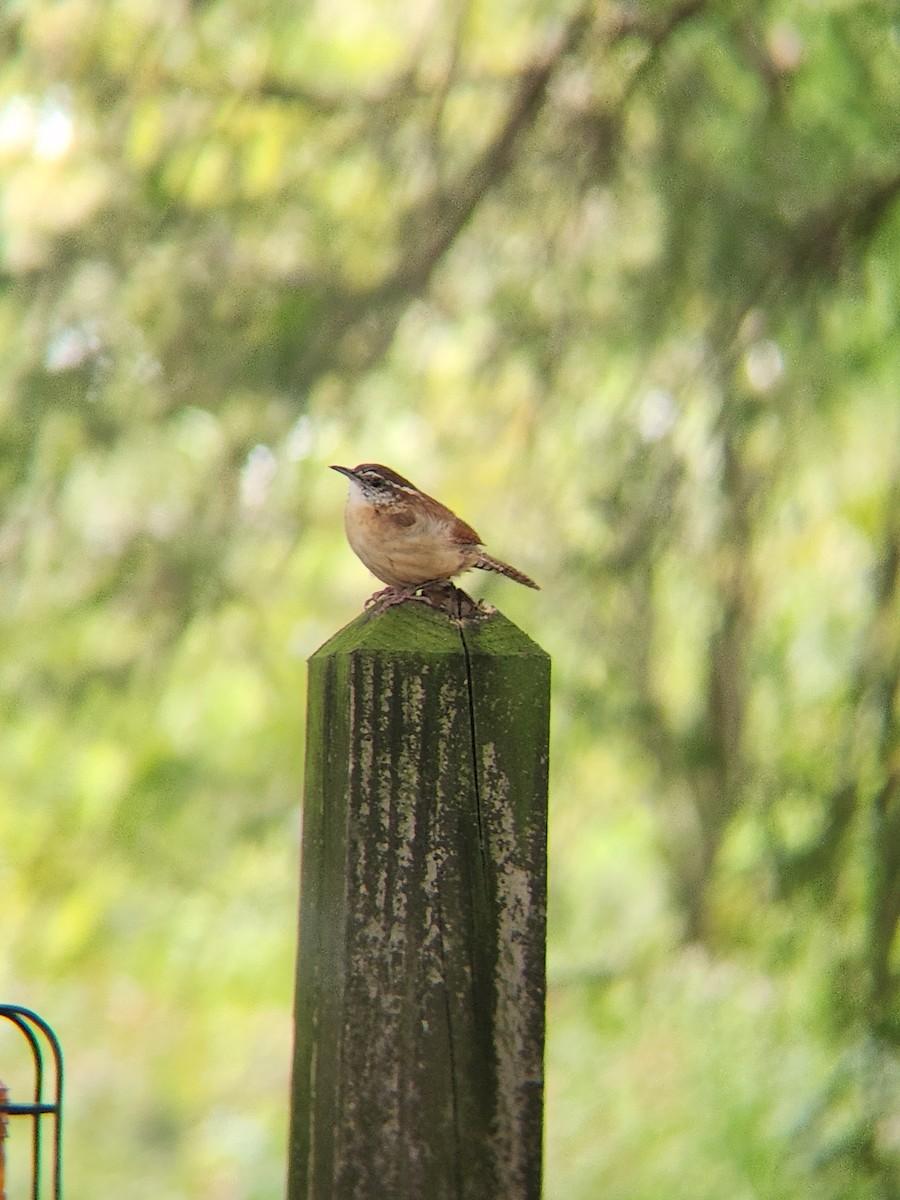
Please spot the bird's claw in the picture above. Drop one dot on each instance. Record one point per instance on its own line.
(439, 594)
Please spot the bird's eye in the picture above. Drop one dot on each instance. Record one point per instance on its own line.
(376, 481)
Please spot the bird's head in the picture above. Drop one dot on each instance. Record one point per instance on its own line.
(376, 483)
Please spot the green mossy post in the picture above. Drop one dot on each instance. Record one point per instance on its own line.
(419, 1023)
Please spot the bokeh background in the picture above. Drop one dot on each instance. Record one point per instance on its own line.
(619, 283)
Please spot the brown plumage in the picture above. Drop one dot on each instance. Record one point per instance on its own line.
(408, 539)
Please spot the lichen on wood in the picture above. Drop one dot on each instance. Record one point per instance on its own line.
(420, 976)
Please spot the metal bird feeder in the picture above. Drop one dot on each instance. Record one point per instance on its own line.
(39, 1038)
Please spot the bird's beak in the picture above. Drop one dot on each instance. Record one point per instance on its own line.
(348, 471)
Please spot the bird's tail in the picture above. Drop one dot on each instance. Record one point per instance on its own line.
(487, 563)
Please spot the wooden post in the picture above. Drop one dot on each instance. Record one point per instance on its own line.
(419, 1021)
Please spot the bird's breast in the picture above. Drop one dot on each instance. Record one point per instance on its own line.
(403, 547)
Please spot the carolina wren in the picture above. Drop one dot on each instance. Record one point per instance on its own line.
(409, 540)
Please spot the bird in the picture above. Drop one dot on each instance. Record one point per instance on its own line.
(409, 540)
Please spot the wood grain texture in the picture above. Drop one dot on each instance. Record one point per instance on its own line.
(418, 1069)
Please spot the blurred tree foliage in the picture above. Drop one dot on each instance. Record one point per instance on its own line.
(618, 281)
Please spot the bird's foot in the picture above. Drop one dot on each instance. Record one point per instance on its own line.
(384, 599)
(390, 596)
(439, 594)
